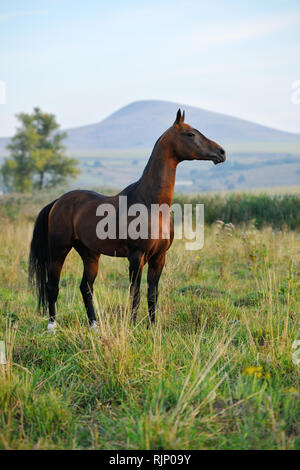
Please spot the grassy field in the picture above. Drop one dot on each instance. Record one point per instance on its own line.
(277, 190)
(216, 372)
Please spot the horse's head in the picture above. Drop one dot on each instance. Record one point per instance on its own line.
(190, 144)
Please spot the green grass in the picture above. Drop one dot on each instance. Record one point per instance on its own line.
(281, 211)
(183, 384)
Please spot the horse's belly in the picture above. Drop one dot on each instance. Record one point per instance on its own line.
(107, 247)
(113, 249)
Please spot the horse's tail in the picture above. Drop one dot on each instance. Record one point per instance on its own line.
(39, 256)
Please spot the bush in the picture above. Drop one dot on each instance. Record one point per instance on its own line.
(278, 211)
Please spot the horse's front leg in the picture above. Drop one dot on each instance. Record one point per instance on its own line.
(136, 264)
(156, 265)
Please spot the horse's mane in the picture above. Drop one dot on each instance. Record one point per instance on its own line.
(133, 186)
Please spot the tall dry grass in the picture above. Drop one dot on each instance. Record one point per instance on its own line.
(215, 372)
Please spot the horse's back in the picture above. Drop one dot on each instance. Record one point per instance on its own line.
(80, 195)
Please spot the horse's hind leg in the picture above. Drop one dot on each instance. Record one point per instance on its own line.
(90, 263)
(54, 270)
(86, 287)
(136, 264)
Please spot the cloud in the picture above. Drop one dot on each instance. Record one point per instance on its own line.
(246, 30)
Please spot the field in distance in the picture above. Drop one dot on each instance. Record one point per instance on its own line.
(241, 171)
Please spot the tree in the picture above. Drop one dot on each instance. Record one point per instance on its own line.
(37, 155)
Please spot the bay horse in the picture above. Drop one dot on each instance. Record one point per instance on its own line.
(70, 222)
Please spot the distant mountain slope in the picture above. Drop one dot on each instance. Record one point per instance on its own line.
(139, 124)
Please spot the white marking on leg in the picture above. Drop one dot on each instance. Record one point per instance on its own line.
(52, 326)
(94, 326)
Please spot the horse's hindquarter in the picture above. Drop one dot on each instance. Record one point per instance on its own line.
(85, 221)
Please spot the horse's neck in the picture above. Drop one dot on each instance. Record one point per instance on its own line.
(158, 179)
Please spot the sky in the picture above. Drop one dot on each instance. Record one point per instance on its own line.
(83, 60)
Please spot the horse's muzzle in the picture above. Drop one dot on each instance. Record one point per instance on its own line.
(218, 156)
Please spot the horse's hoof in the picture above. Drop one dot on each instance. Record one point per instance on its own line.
(94, 326)
(52, 326)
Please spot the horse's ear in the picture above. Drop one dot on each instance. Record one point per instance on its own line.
(183, 116)
(178, 117)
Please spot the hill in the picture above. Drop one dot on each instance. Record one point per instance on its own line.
(115, 150)
(139, 124)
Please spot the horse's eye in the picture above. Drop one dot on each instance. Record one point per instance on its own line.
(190, 134)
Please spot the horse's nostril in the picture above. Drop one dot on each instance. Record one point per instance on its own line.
(222, 152)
